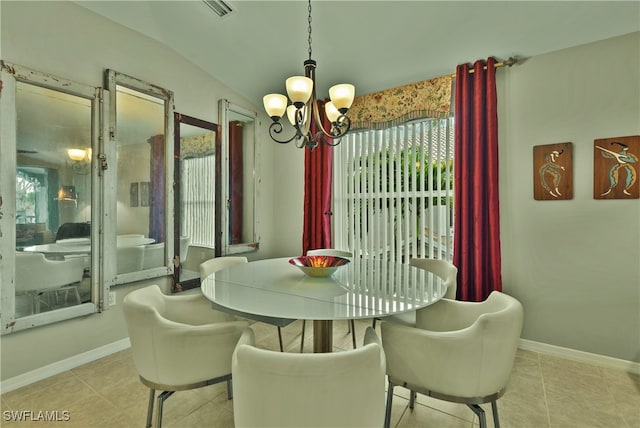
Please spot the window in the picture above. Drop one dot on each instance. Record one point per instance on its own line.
(393, 191)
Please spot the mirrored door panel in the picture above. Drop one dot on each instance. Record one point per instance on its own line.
(53, 199)
(197, 172)
(240, 226)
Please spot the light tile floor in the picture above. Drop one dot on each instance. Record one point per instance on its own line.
(544, 391)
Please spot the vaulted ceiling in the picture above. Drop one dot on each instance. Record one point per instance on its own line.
(373, 44)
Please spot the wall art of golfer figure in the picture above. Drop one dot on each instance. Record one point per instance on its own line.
(553, 171)
(616, 168)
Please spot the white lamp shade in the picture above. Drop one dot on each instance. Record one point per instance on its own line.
(342, 96)
(291, 114)
(299, 89)
(275, 104)
(331, 111)
(76, 154)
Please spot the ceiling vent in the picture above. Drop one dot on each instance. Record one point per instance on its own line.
(220, 7)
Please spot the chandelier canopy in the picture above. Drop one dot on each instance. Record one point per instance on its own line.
(303, 110)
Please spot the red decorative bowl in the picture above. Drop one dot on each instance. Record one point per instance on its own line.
(318, 266)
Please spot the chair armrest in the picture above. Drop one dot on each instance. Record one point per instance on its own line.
(195, 309)
(449, 362)
(187, 354)
(248, 338)
(370, 336)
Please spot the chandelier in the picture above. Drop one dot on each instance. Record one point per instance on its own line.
(303, 110)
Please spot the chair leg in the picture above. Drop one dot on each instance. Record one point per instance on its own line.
(412, 399)
(478, 411)
(373, 323)
(304, 325)
(230, 389)
(387, 413)
(280, 339)
(353, 332)
(494, 410)
(152, 394)
(161, 399)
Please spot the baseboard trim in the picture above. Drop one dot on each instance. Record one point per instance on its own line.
(95, 354)
(63, 365)
(580, 356)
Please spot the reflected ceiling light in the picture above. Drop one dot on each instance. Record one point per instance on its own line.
(67, 193)
(81, 160)
(303, 110)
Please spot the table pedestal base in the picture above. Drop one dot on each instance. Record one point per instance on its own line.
(322, 336)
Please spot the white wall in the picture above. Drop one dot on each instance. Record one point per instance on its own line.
(574, 264)
(69, 41)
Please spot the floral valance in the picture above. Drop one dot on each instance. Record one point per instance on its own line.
(198, 145)
(428, 98)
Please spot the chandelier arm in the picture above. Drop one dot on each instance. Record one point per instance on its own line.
(320, 137)
(276, 128)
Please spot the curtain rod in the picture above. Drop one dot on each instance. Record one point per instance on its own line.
(508, 63)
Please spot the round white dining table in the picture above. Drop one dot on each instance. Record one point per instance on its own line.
(364, 288)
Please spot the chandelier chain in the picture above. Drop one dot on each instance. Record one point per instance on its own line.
(309, 8)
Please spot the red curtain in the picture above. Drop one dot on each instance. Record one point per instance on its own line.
(235, 186)
(477, 210)
(156, 189)
(317, 192)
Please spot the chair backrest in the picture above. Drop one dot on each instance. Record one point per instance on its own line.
(73, 230)
(213, 265)
(275, 389)
(330, 252)
(153, 256)
(129, 259)
(444, 270)
(35, 272)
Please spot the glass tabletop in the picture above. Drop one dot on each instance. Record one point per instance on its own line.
(364, 288)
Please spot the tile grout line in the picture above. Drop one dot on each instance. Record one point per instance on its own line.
(544, 390)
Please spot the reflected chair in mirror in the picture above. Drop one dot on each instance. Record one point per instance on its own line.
(184, 248)
(462, 352)
(153, 256)
(340, 389)
(213, 265)
(178, 343)
(129, 259)
(442, 268)
(37, 276)
(73, 230)
(336, 253)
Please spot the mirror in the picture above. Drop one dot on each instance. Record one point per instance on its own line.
(239, 225)
(140, 150)
(53, 199)
(197, 198)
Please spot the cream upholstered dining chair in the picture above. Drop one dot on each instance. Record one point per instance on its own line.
(178, 343)
(218, 263)
(37, 276)
(458, 351)
(129, 259)
(336, 253)
(273, 389)
(442, 268)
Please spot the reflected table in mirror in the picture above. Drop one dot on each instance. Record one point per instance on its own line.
(82, 245)
(365, 288)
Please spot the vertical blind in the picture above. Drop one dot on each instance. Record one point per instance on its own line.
(394, 191)
(198, 200)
